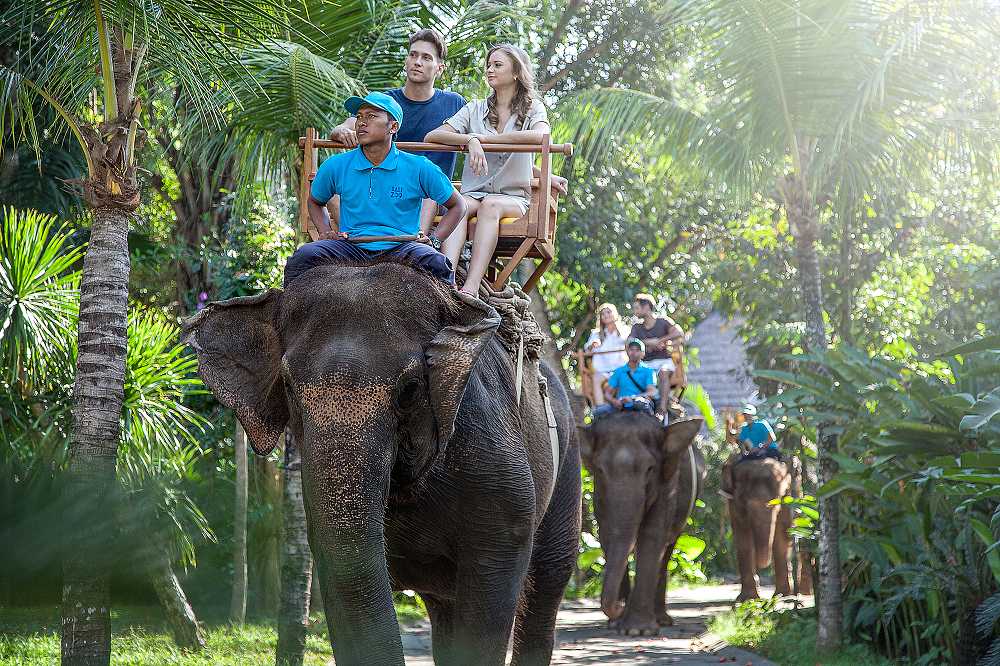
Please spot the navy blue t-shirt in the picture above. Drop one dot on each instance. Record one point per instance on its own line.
(419, 118)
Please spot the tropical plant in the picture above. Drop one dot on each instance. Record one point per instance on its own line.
(38, 293)
(920, 451)
(63, 52)
(815, 103)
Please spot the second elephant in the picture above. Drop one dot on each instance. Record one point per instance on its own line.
(646, 480)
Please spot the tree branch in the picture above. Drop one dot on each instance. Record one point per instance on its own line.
(557, 34)
(584, 58)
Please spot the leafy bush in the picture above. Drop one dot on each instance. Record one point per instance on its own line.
(919, 454)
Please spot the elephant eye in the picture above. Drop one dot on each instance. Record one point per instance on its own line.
(408, 394)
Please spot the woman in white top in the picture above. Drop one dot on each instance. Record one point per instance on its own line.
(607, 337)
(495, 185)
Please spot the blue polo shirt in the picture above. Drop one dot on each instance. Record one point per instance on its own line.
(758, 433)
(381, 200)
(644, 375)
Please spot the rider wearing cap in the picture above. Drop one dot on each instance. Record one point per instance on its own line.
(632, 387)
(381, 190)
(757, 437)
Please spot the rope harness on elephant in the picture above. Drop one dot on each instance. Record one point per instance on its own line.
(521, 336)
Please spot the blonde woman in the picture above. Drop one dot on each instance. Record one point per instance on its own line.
(495, 185)
(607, 337)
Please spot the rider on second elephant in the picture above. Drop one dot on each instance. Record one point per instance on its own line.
(647, 477)
(750, 482)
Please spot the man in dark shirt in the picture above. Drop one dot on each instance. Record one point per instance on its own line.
(661, 335)
(424, 108)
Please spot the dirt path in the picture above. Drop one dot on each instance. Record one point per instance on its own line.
(585, 639)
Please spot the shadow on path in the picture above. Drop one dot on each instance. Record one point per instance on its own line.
(584, 637)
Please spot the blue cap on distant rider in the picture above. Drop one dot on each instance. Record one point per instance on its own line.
(379, 101)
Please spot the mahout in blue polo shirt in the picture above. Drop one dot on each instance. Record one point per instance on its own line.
(381, 200)
(758, 433)
(644, 375)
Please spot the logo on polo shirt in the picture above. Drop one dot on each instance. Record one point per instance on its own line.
(396, 192)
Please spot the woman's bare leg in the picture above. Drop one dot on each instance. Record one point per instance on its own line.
(598, 383)
(491, 210)
(452, 246)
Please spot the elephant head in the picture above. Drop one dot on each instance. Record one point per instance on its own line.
(367, 366)
(633, 459)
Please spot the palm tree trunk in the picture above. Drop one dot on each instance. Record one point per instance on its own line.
(97, 406)
(238, 603)
(296, 564)
(180, 615)
(265, 568)
(802, 217)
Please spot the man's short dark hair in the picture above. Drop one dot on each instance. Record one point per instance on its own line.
(434, 37)
(647, 299)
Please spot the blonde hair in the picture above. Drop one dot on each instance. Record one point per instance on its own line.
(616, 320)
(525, 83)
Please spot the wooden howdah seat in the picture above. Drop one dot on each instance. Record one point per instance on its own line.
(584, 365)
(531, 236)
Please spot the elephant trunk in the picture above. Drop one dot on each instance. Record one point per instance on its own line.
(618, 540)
(345, 489)
(615, 570)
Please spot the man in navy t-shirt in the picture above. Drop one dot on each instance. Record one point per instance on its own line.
(424, 108)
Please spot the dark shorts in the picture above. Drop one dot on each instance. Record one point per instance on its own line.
(321, 252)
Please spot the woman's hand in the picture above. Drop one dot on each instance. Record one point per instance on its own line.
(593, 345)
(477, 157)
(559, 184)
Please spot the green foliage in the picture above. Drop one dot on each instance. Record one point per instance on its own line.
(38, 292)
(786, 637)
(141, 637)
(919, 452)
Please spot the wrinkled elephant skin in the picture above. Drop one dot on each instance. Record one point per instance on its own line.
(646, 479)
(420, 470)
(760, 529)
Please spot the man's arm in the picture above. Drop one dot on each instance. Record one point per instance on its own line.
(345, 134)
(611, 395)
(428, 211)
(456, 211)
(321, 219)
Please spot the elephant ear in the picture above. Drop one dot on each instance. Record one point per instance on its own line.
(239, 359)
(451, 356)
(677, 437)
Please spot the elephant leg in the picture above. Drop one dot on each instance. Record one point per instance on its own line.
(746, 558)
(662, 616)
(805, 572)
(478, 626)
(640, 611)
(553, 560)
(442, 615)
(781, 547)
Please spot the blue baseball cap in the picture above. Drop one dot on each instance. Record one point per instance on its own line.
(379, 101)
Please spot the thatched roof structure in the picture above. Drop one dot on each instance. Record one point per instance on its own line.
(722, 368)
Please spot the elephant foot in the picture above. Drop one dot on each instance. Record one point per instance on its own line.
(636, 627)
(664, 620)
(746, 596)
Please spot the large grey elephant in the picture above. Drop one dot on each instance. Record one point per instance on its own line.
(420, 468)
(646, 480)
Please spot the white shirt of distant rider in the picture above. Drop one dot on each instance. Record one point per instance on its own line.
(608, 363)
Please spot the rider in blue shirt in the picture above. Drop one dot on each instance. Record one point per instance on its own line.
(382, 190)
(757, 436)
(632, 387)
